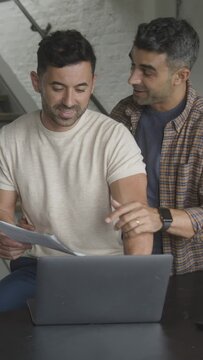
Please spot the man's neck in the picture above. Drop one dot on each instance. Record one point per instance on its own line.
(172, 101)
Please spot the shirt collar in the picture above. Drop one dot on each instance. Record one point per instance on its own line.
(134, 111)
(191, 95)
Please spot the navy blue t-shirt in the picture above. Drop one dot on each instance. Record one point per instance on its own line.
(149, 137)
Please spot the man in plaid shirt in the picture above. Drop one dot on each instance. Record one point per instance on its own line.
(165, 115)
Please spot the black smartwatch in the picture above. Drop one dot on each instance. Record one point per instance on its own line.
(166, 218)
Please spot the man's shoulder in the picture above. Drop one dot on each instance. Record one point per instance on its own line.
(125, 102)
(22, 122)
(124, 109)
(194, 99)
(198, 104)
(100, 118)
(196, 112)
(103, 124)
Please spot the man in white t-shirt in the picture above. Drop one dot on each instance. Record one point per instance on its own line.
(66, 164)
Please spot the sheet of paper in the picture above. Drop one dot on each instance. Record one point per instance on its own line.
(34, 238)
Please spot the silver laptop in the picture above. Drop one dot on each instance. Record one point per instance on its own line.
(100, 289)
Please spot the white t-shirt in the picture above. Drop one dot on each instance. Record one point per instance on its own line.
(63, 178)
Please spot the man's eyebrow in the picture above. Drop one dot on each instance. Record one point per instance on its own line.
(61, 84)
(56, 83)
(148, 67)
(82, 84)
(143, 66)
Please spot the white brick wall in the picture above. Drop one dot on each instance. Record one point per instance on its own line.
(108, 24)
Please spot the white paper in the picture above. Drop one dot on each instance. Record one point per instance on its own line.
(34, 238)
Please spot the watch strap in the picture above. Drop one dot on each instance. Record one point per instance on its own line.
(166, 217)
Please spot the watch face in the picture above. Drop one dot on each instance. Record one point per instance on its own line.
(165, 214)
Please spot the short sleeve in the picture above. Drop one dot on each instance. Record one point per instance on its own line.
(6, 179)
(124, 155)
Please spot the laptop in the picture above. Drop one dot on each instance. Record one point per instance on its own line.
(100, 289)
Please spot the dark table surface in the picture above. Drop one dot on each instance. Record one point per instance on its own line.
(176, 338)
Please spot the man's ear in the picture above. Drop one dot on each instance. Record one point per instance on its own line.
(35, 81)
(93, 83)
(181, 75)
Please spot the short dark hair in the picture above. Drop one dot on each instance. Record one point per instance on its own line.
(63, 48)
(174, 37)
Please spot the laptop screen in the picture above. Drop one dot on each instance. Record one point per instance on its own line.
(100, 289)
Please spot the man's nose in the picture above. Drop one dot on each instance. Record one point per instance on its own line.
(135, 77)
(68, 98)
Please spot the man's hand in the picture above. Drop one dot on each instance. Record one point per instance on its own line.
(134, 218)
(25, 225)
(135, 242)
(10, 249)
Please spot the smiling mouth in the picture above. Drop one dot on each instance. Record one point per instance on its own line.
(139, 93)
(66, 114)
(139, 90)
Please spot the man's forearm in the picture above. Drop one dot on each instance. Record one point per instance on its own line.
(181, 224)
(7, 216)
(138, 245)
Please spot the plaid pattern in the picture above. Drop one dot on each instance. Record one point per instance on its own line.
(181, 174)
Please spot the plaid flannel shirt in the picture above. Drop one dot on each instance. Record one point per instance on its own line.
(181, 174)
